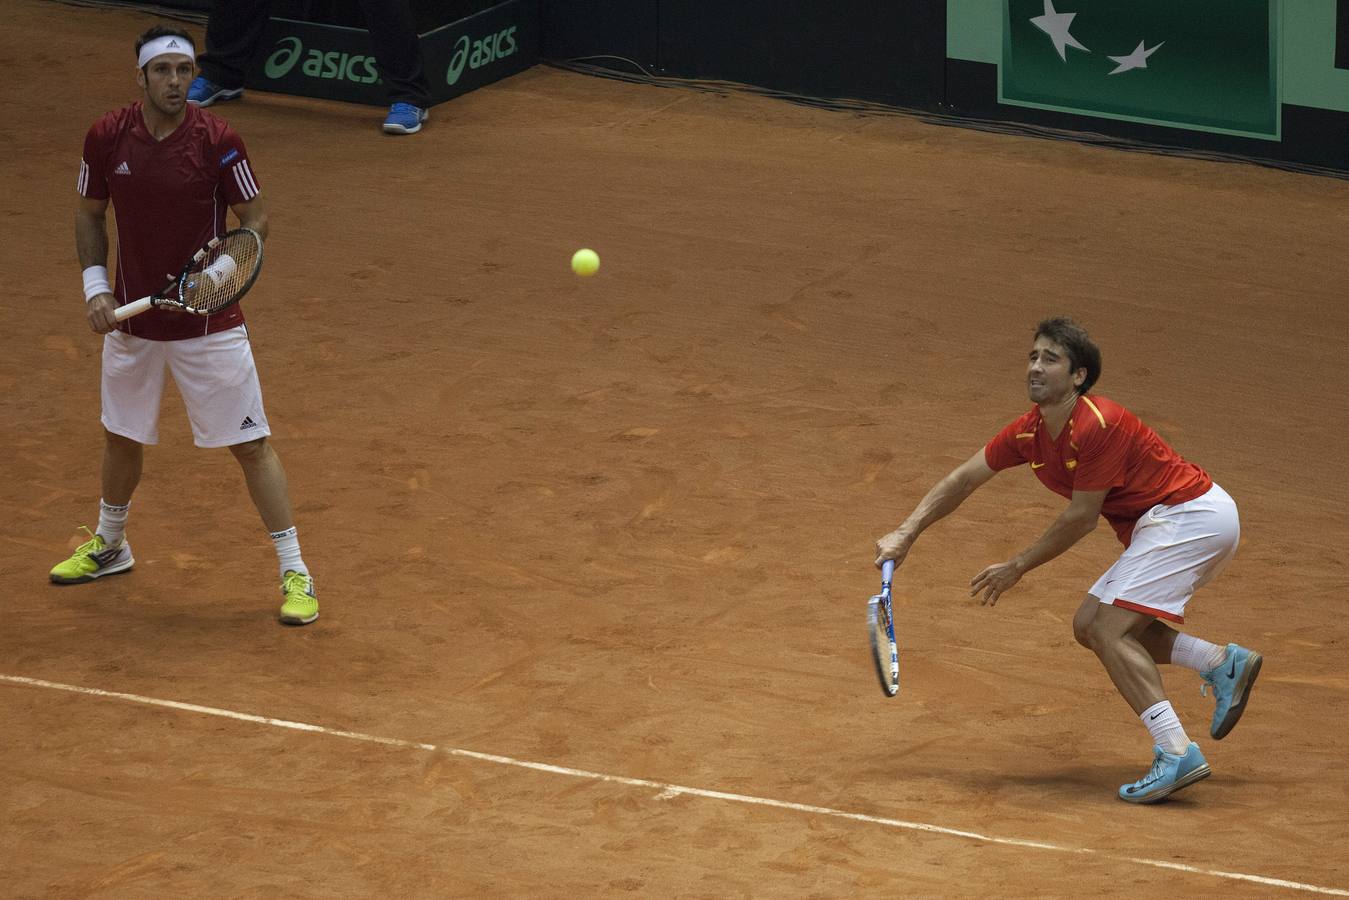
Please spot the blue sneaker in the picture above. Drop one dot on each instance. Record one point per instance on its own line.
(1169, 773)
(1231, 680)
(404, 118)
(203, 92)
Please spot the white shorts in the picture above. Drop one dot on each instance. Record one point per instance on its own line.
(215, 375)
(1175, 550)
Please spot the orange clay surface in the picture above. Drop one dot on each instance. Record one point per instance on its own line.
(623, 525)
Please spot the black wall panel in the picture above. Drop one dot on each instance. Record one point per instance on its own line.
(577, 29)
(892, 52)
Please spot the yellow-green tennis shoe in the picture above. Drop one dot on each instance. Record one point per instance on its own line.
(301, 606)
(93, 559)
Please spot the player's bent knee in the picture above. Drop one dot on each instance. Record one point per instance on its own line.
(1082, 621)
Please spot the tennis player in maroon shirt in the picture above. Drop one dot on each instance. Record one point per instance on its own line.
(172, 172)
(1177, 526)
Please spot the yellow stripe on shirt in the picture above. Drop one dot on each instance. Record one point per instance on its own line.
(1100, 418)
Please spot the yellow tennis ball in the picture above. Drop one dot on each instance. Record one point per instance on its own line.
(585, 262)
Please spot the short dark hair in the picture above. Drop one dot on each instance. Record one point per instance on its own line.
(159, 31)
(1072, 337)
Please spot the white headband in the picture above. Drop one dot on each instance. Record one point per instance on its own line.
(169, 43)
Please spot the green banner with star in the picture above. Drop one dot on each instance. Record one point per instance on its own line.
(1210, 65)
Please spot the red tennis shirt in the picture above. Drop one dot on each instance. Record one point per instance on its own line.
(170, 197)
(1104, 447)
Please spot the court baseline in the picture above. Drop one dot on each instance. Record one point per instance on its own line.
(666, 791)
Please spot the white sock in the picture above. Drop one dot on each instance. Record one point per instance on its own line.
(1164, 725)
(112, 522)
(1192, 653)
(288, 551)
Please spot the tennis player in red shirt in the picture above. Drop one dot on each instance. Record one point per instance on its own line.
(172, 171)
(1178, 529)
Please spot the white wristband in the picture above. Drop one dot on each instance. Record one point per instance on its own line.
(96, 282)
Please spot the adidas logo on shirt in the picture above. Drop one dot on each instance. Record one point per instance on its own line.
(123, 169)
(248, 423)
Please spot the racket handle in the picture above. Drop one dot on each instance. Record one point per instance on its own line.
(134, 308)
(887, 571)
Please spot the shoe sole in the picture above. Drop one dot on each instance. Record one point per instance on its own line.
(1242, 692)
(85, 579)
(1188, 779)
(298, 620)
(220, 97)
(402, 129)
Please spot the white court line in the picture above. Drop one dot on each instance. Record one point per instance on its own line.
(668, 791)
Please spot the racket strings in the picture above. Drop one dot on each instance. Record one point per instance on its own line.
(882, 643)
(224, 272)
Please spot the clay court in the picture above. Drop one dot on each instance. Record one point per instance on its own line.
(593, 554)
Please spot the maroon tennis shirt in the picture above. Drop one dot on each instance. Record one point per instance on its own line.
(169, 198)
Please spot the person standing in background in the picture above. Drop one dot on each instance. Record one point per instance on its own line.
(235, 27)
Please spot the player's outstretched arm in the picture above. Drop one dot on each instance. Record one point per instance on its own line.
(946, 495)
(1072, 525)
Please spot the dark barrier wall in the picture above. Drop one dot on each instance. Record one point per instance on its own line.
(1266, 79)
(586, 29)
(427, 14)
(320, 48)
(1342, 36)
(335, 61)
(1260, 78)
(891, 52)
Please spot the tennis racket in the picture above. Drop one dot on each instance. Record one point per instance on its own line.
(214, 279)
(881, 627)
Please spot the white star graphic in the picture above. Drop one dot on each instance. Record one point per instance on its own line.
(1056, 25)
(1136, 60)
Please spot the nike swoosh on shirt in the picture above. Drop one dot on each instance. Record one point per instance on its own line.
(1036, 465)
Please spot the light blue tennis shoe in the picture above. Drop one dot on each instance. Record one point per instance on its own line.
(1169, 773)
(1231, 680)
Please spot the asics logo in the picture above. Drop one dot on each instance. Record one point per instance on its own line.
(317, 63)
(476, 53)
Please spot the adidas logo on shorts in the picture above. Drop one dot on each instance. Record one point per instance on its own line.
(247, 423)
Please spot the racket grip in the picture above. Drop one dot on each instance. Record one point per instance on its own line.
(887, 570)
(134, 308)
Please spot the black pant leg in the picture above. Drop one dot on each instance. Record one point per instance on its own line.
(398, 51)
(232, 34)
